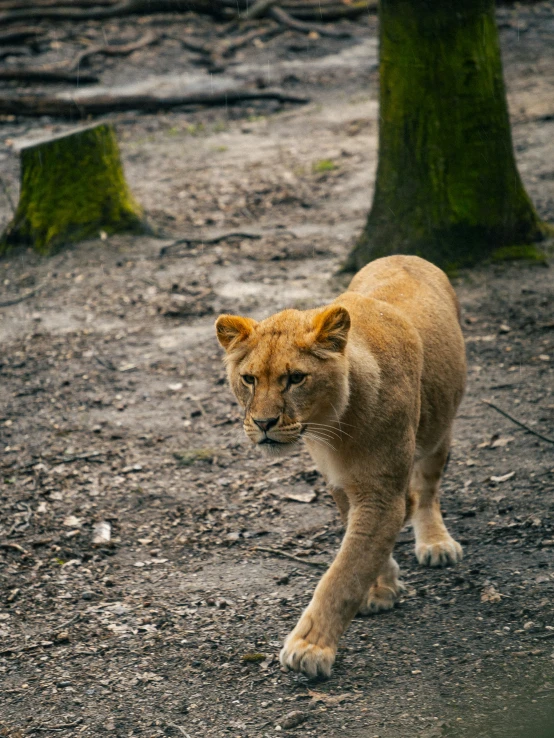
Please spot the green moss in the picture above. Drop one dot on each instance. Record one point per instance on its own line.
(72, 187)
(323, 165)
(527, 252)
(447, 185)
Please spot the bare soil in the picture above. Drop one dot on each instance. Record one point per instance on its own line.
(113, 407)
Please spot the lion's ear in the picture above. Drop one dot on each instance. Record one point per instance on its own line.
(331, 327)
(232, 329)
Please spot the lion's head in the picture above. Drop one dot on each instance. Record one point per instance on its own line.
(289, 372)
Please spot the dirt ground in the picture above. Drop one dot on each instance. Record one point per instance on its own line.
(113, 407)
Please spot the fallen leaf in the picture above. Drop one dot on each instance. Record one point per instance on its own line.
(330, 699)
(305, 497)
(502, 441)
(72, 522)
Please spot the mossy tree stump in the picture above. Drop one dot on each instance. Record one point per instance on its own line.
(72, 187)
(447, 185)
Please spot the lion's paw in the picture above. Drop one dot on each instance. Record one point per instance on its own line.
(313, 660)
(447, 551)
(381, 598)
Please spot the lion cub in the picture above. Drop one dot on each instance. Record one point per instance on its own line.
(371, 384)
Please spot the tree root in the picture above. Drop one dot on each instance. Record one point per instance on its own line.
(113, 50)
(36, 105)
(46, 75)
(285, 19)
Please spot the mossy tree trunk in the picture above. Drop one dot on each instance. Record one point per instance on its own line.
(447, 184)
(72, 187)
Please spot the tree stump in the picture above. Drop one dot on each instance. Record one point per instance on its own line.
(72, 187)
(447, 184)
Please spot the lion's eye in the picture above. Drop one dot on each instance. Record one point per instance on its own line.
(296, 378)
(248, 379)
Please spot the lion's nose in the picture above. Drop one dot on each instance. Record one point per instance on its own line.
(265, 423)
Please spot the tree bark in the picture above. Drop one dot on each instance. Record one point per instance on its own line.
(447, 185)
(72, 187)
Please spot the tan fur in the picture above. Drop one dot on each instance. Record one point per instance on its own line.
(384, 370)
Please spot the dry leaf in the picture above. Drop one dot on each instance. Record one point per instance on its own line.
(502, 441)
(330, 699)
(308, 496)
(72, 522)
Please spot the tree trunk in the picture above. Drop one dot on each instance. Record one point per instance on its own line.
(72, 187)
(447, 184)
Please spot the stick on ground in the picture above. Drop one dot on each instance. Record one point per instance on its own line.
(518, 422)
(284, 554)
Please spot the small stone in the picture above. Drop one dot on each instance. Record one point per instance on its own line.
(87, 595)
(294, 718)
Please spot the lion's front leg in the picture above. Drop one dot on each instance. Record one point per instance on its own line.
(312, 645)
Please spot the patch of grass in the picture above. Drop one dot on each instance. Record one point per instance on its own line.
(527, 252)
(220, 149)
(195, 129)
(253, 658)
(189, 457)
(323, 165)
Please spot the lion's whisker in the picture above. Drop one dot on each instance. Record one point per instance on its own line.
(321, 426)
(312, 436)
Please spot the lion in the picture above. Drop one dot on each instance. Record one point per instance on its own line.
(371, 384)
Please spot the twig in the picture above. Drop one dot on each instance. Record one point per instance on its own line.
(78, 457)
(259, 9)
(18, 35)
(278, 552)
(33, 105)
(208, 241)
(178, 727)
(65, 726)
(21, 298)
(234, 44)
(31, 646)
(15, 546)
(118, 10)
(13, 51)
(111, 50)
(285, 19)
(61, 459)
(517, 422)
(67, 623)
(329, 11)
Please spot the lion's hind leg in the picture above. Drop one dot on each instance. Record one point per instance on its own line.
(434, 544)
(385, 592)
